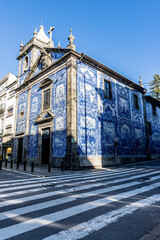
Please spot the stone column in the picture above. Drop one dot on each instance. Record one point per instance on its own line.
(72, 159)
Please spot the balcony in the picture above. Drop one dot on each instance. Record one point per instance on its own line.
(2, 107)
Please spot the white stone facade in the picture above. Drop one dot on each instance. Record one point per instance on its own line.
(7, 112)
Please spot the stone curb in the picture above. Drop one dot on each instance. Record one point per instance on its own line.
(154, 234)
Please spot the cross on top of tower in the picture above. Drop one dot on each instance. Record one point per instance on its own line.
(50, 32)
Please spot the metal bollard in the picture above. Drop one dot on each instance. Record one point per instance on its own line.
(17, 165)
(32, 167)
(24, 167)
(49, 167)
(11, 164)
(0, 165)
(6, 161)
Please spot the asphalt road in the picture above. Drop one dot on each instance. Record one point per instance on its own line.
(109, 204)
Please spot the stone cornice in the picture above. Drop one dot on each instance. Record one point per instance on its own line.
(11, 84)
(3, 93)
(152, 100)
(88, 60)
(91, 62)
(4, 79)
(33, 42)
(41, 73)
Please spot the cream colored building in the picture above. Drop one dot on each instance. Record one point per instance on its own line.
(8, 85)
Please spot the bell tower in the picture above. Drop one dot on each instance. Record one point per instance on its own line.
(30, 52)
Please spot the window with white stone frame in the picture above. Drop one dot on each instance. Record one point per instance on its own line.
(136, 101)
(46, 99)
(9, 112)
(46, 86)
(107, 89)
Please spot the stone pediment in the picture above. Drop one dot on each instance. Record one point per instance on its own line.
(45, 82)
(46, 116)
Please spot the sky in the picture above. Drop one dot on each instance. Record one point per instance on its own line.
(121, 34)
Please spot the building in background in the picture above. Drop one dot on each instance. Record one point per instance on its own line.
(7, 112)
(72, 109)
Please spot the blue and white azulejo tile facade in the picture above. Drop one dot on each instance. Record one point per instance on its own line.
(154, 137)
(102, 121)
(35, 109)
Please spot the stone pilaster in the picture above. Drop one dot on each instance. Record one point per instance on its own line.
(34, 56)
(14, 128)
(72, 160)
(19, 68)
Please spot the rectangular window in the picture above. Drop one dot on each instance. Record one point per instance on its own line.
(9, 112)
(136, 102)
(8, 129)
(46, 99)
(107, 89)
(154, 110)
(149, 128)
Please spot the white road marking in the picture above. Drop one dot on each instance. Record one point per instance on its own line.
(72, 175)
(84, 229)
(38, 183)
(44, 195)
(44, 186)
(35, 223)
(47, 204)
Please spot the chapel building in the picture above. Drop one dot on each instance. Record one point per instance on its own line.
(72, 109)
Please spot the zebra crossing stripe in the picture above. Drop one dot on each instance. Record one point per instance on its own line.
(44, 195)
(29, 181)
(75, 188)
(84, 229)
(35, 223)
(47, 204)
(66, 177)
(39, 182)
(57, 177)
(105, 178)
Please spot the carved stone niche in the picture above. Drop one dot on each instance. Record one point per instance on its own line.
(46, 82)
(45, 61)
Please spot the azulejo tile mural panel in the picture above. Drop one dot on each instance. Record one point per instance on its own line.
(59, 109)
(56, 55)
(21, 117)
(22, 112)
(35, 109)
(103, 121)
(154, 138)
(87, 110)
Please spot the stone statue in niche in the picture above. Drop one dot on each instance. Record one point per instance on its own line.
(26, 64)
(44, 62)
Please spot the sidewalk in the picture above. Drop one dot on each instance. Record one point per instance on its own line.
(154, 234)
(43, 170)
(38, 170)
